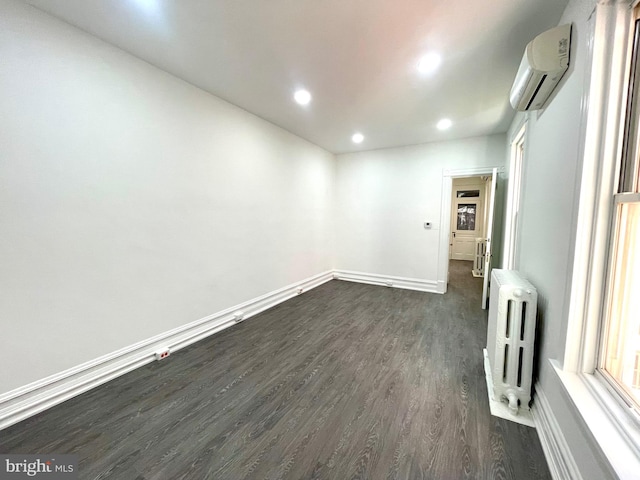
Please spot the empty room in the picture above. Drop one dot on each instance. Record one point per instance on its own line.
(316, 239)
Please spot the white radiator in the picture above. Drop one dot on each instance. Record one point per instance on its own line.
(478, 262)
(510, 340)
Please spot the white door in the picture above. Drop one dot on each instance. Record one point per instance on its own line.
(467, 217)
(487, 259)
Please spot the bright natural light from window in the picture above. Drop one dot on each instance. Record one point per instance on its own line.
(622, 350)
(444, 124)
(303, 97)
(429, 63)
(357, 138)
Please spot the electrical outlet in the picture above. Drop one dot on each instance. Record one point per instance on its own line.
(162, 354)
(238, 316)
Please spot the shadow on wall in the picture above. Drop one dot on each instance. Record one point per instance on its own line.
(540, 340)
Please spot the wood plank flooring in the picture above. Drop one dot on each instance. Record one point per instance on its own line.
(346, 381)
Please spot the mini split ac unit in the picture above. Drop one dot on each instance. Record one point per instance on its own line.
(545, 60)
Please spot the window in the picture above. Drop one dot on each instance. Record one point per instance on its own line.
(513, 198)
(622, 340)
(466, 216)
(598, 367)
(620, 343)
(467, 193)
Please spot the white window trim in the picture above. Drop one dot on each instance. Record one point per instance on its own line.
(613, 428)
(514, 195)
(605, 418)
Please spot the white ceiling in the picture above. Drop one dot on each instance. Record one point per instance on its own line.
(357, 57)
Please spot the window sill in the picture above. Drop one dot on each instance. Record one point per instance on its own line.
(617, 436)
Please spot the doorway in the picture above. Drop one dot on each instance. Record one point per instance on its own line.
(483, 220)
(468, 220)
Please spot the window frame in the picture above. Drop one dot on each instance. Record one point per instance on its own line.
(625, 190)
(608, 297)
(603, 114)
(514, 196)
(615, 427)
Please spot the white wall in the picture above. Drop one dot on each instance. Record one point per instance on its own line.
(547, 225)
(383, 197)
(132, 202)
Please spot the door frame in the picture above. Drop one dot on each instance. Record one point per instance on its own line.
(445, 216)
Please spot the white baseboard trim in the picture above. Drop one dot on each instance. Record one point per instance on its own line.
(430, 286)
(556, 450)
(35, 397)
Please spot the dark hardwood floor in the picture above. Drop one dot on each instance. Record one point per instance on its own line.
(345, 381)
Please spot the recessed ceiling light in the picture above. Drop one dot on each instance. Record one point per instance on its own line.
(357, 138)
(303, 97)
(429, 63)
(444, 124)
(150, 6)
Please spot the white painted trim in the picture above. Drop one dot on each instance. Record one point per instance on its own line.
(470, 172)
(429, 286)
(614, 434)
(445, 215)
(517, 128)
(514, 194)
(35, 397)
(604, 111)
(562, 465)
(489, 236)
(445, 225)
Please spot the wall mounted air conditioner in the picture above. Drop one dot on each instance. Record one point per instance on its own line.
(545, 60)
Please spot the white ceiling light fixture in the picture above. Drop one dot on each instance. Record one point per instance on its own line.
(357, 138)
(444, 124)
(302, 97)
(149, 6)
(429, 63)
